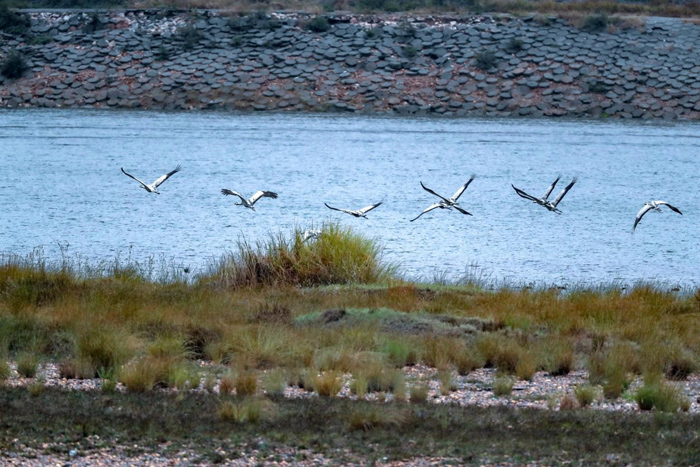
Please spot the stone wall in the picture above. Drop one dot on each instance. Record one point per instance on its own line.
(443, 66)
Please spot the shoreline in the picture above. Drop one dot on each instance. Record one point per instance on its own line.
(480, 66)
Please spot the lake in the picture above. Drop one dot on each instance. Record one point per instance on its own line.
(61, 185)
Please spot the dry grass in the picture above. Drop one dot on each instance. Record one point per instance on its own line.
(419, 393)
(119, 317)
(329, 383)
(249, 410)
(370, 416)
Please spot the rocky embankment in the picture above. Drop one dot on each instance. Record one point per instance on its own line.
(444, 66)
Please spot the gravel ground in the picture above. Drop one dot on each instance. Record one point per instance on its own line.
(543, 392)
(475, 389)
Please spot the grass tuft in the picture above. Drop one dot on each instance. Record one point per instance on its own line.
(328, 383)
(419, 393)
(249, 410)
(585, 394)
(27, 364)
(662, 396)
(503, 386)
(338, 256)
(370, 416)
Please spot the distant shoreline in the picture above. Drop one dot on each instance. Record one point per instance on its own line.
(452, 66)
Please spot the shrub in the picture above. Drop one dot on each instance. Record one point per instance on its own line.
(329, 383)
(500, 352)
(13, 66)
(409, 52)
(595, 23)
(503, 386)
(318, 24)
(514, 45)
(419, 393)
(93, 24)
(27, 364)
(438, 351)
(190, 36)
(162, 54)
(339, 256)
(485, 60)
(597, 87)
(12, 22)
(585, 394)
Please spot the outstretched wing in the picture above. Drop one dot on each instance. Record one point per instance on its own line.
(462, 210)
(647, 207)
(226, 191)
(551, 188)
(337, 209)
(432, 192)
(522, 194)
(129, 175)
(367, 209)
(428, 209)
(163, 178)
(261, 194)
(672, 208)
(462, 189)
(563, 193)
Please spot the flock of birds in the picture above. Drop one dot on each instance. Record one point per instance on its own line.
(443, 203)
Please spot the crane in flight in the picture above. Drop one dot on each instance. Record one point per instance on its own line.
(447, 203)
(153, 187)
(544, 201)
(250, 202)
(653, 206)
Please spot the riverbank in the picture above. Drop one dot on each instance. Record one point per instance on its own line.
(432, 65)
(311, 350)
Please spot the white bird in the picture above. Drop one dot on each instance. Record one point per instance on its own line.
(551, 205)
(310, 234)
(447, 203)
(252, 200)
(153, 187)
(359, 213)
(653, 205)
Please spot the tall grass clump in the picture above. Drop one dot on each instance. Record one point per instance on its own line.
(27, 364)
(661, 396)
(4, 369)
(337, 256)
(101, 349)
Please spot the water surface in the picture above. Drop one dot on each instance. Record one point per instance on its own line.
(60, 183)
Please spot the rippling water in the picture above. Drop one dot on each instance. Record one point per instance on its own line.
(60, 184)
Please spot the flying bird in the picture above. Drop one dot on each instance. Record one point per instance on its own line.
(153, 187)
(653, 205)
(252, 200)
(447, 203)
(359, 213)
(544, 201)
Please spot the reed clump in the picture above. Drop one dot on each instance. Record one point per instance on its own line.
(337, 256)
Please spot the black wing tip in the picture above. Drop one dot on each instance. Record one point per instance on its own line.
(272, 194)
(225, 191)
